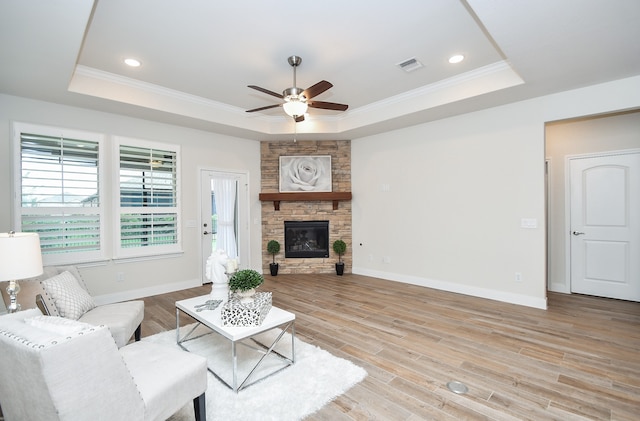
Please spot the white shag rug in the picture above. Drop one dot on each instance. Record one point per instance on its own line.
(316, 378)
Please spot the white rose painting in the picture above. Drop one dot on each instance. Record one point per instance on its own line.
(305, 173)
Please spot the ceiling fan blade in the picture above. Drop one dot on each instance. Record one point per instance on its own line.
(298, 118)
(264, 108)
(266, 91)
(327, 105)
(317, 89)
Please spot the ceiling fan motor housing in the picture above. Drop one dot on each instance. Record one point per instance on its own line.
(294, 94)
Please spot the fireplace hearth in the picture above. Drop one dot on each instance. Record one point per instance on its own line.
(306, 239)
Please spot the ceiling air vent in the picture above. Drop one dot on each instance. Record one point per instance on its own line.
(410, 65)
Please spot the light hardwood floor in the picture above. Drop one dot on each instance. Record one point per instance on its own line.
(580, 359)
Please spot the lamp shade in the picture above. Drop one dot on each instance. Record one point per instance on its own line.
(295, 107)
(20, 256)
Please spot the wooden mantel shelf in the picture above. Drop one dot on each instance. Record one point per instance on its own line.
(304, 197)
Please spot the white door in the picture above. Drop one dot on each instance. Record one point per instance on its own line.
(233, 201)
(605, 226)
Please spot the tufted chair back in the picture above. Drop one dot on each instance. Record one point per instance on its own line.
(61, 371)
(57, 369)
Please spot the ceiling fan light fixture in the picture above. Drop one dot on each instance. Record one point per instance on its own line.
(294, 107)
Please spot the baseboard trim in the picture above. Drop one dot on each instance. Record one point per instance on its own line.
(145, 292)
(491, 294)
(559, 287)
(507, 297)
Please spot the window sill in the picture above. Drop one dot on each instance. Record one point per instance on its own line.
(118, 260)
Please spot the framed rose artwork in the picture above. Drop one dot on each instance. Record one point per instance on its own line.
(305, 174)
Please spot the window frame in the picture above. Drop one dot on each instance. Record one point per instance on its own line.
(69, 257)
(120, 252)
(109, 210)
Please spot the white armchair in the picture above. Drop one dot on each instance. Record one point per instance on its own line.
(64, 370)
(57, 293)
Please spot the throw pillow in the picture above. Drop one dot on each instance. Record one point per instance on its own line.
(70, 298)
(57, 324)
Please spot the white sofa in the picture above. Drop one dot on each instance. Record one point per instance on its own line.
(123, 319)
(58, 369)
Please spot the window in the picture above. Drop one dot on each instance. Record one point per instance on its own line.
(59, 190)
(63, 196)
(148, 214)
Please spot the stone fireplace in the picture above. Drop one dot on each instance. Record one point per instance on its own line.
(337, 215)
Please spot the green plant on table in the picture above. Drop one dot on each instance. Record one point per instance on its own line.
(245, 279)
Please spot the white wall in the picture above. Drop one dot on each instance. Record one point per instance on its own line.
(440, 204)
(198, 148)
(569, 138)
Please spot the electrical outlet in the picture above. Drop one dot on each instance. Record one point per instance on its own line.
(120, 276)
(518, 277)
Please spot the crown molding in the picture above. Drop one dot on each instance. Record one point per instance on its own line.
(101, 84)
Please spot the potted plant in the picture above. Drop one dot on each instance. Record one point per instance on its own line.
(273, 247)
(244, 283)
(339, 247)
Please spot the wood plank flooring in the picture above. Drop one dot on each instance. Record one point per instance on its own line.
(578, 360)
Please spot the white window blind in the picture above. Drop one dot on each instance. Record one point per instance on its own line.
(148, 205)
(61, 194)
(59, 190)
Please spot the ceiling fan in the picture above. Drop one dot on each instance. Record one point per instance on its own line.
(297, 100)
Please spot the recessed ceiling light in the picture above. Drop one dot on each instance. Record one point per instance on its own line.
(456, 59)
(132, 62)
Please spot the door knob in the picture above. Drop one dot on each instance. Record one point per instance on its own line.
(206, 233)
(578, 233)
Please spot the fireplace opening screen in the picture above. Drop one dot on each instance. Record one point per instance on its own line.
(306, 239)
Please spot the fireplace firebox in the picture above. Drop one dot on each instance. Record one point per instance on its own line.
(306, 239)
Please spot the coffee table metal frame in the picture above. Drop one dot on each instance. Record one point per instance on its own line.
(276, 318)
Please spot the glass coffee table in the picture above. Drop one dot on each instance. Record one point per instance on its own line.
(243, 336)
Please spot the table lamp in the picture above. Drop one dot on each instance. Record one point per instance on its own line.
(20, 258)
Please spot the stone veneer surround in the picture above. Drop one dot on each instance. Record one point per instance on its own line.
(339, 220)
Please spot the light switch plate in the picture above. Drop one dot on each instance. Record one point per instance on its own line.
(529, 223)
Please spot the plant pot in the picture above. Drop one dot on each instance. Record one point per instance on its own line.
(339, 269)
(246, 296)
(273, 268)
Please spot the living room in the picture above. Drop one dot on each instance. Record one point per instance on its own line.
(439, 204)
(492, 161)
(468, 151)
